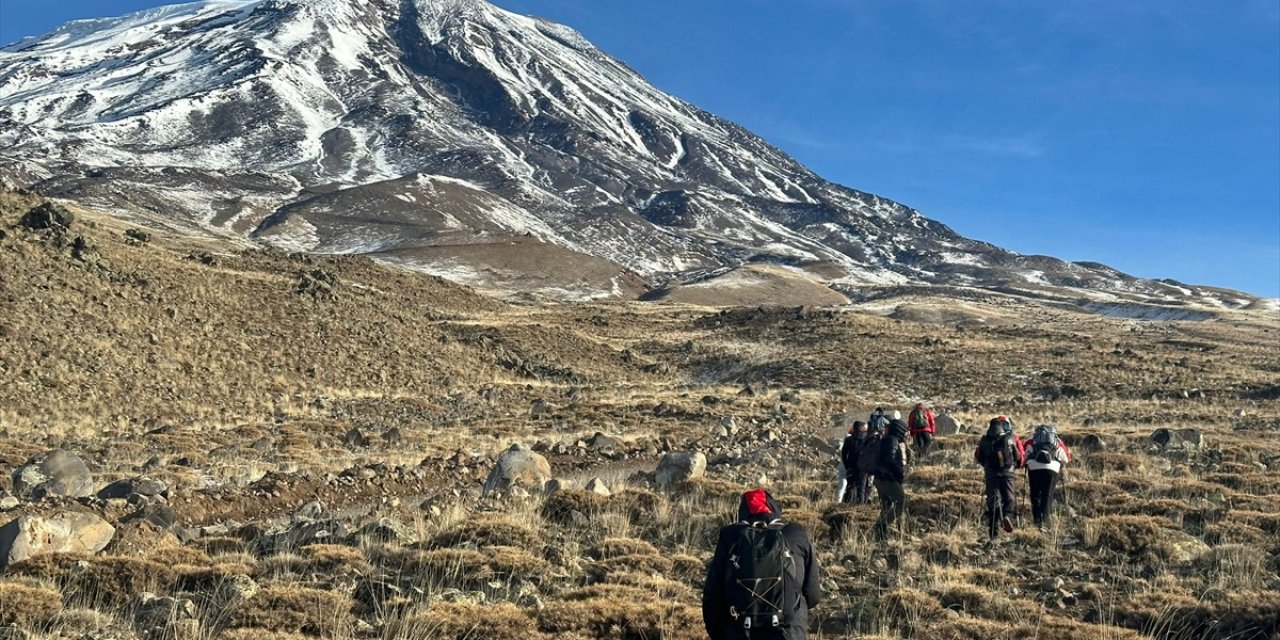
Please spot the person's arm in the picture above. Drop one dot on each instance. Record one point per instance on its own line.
(714, 608)
(812, 589)
(1064, 452)
(932, 425)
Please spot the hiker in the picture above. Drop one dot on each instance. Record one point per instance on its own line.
(858, 481)
(1046, 454)
(878, 420)
(1000, 454)
(842, 466)
(869, 458)
(763, 579)
(892, 462)
(920, 420)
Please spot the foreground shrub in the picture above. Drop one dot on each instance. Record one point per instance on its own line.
(456, 621)
(27, 607)
(621, 613)
(294, 609)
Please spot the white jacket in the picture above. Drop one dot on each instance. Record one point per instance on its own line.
(1061, 456)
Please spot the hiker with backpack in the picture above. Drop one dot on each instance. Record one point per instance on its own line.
(763, 579)
(858, 481)
(1000, 454)
(921, 423)
(891, 463)
(878, 421)
(1046, 455)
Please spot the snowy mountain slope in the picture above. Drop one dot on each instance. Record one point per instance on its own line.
(375, 126)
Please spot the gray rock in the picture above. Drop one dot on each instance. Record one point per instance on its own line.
(1177, 438)
(729, 424)
(55, 473)
(9, 503)
(947, 425)
(67, 532)
(518, 466)
(596, 485)
(143, 486)
(676, 467)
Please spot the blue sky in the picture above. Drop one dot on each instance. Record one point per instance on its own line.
(1144, 134)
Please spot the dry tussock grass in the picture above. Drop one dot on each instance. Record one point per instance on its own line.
(295, 609)
(457, 621)
(27, 606)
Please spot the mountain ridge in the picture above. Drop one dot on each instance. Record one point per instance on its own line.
(386, 128)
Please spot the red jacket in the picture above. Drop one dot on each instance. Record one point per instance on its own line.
(928, 422)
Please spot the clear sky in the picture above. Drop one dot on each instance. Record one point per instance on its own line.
(1144, 134)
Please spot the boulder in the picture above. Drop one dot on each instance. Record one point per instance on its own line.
(597, 486)
(677, 467)
(55, 473)
(518, 466)
(1177, 438)
(67, 532)
(143, 486)
(946, 425)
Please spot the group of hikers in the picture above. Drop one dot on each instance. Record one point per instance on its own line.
(763, 578)
(876, 453)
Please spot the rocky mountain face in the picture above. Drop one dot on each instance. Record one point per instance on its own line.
(457, 138)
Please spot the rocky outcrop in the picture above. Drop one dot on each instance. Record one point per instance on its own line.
(67, 532)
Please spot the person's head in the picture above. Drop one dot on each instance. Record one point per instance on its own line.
(1002, 423)
(858, 427)
(757, 505)
(898, 428)
(879, 411)
(919, 405)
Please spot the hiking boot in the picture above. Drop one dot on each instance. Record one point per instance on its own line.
(1007, 524)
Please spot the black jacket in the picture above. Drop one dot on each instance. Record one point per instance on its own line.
(894, 455)
(715, 609)
(851, 450)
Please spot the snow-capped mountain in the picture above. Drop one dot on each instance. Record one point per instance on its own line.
(458, 138)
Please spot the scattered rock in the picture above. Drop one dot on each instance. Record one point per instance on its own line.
(355, 438)
(676, 467)
(67, 532)
(311, 511)
(1177, 438)
(597, 486)
(55, 473)
(730, 424)
(159, 616)
(9, 503)
(48, 215)
(517, 466)
(539, 408)
(143, 486)
(140, 538)
(137, 236)
(601, 442)
(1050, 585)
(236, 588)
(387, 530)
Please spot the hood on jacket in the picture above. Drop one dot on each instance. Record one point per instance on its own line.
(898, 428)
(757, 505)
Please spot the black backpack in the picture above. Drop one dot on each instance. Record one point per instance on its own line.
(760, 567)
(999, 453)
(869, 455)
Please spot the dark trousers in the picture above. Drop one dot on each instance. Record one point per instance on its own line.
(1001, 502)
(923, 440)
(859, 488)
(1042, 483)
(893, 502)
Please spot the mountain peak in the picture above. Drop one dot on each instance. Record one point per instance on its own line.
(432, 132)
